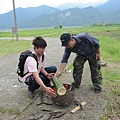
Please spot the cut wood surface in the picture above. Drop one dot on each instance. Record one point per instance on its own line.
(61, 90)
(78, 107)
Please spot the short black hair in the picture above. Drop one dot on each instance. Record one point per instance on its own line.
(39, 42)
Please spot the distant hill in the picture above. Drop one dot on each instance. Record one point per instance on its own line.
(73, 5)
(109, 7)
(68, 17)
(46, 16)
(25, 14)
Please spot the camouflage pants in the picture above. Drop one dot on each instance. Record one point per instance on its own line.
(95, 67)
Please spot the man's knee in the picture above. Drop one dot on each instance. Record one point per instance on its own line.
(53, 69)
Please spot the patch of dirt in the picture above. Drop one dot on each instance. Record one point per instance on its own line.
(110, 66)
(93, 110)
(16, 97)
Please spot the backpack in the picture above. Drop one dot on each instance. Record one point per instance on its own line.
(22, 58)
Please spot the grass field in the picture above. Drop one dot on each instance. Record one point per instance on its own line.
(109, 37)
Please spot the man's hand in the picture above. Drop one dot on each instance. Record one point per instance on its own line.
(62, 67)
(50, 75)
(98, 57)
(58, 73)
(50, 92)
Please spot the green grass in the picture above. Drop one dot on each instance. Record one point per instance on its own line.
(112, 75)
(111, 78)
(13, 111)
(110, 49)
(109, 37)
(57, 32)
(10, 47)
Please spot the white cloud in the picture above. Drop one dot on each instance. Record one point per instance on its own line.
(7, 5)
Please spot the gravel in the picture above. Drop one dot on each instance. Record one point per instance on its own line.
(13, 95)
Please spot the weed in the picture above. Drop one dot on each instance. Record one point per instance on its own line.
(13, 111)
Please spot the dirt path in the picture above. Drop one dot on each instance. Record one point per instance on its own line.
(13, 95)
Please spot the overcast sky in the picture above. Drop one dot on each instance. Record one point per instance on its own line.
(7, 5)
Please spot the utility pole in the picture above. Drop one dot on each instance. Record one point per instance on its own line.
(16, 31)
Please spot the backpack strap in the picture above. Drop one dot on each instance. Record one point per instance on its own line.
(42, 57)
(35, 57)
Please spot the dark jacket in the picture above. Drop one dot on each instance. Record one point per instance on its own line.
(86, 46)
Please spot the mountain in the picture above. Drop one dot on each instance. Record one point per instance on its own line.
(111, 10)
(109, 7)
(46, 16)
(24, 14)
(68, 17)
(115, 17)
(6, 20)
(32, 12)
(73, 5)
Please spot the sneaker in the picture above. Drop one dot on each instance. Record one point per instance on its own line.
(31, 94)
(97, 90)
(75, 85)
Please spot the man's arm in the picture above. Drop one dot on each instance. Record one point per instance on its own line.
(43, 71)
(48, 75)
(96, 44)
(62, 67)
(40, 82)
(64, 61)
(98, 56)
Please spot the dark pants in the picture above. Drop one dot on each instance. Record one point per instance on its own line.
(96, 74)
(33, 85)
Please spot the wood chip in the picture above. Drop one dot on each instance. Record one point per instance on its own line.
(78, 107)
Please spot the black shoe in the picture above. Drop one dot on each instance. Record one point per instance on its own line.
(75, 85)
(31, 94)
(97, 90)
